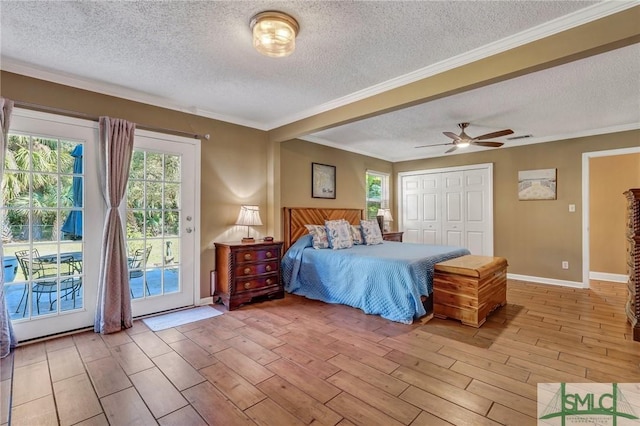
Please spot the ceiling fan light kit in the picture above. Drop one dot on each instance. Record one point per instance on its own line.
(463, 140)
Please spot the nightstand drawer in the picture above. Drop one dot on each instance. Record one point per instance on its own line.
(257, 255)
(392, 236)
(256, 282)
(256, 268)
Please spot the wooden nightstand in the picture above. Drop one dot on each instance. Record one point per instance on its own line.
(392, 236)
(247, 272)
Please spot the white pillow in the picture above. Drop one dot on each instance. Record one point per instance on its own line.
(339, 233)
(319, 234)
(371, 232)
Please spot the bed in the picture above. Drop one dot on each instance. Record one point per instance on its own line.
(393, 280)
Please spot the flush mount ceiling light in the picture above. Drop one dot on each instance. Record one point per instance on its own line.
(274, 33)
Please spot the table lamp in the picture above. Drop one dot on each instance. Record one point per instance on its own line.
(384, 217)
(249, 216)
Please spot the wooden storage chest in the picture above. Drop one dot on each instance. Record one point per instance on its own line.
(468, 288)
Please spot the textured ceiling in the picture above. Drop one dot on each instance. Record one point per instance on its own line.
(197, 57)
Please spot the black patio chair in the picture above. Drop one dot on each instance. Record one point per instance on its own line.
(137, 264)
(44, 272)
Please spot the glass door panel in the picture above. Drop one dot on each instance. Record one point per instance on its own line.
(153, 222)
(159, 202)
(47, 289)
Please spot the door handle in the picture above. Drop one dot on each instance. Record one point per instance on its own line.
(189, 230)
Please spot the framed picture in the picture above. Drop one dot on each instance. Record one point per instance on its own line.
(323, 181)
(537, 184)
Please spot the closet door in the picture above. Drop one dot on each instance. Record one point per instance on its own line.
(412, 209)
(422, 213)
(431, 208)
(453, 213)
(451, 206)
(478, 224)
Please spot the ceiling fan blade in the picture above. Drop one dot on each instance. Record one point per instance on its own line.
(452, 136)
(494, 135)
(489, 144)
(437, 144)
(453, 148)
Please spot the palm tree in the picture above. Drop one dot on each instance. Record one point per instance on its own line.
(30, 180)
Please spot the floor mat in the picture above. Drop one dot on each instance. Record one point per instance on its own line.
(175, 319)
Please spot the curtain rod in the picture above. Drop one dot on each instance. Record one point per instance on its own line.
(76, 114)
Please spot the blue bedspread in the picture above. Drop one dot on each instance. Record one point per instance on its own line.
(385, 279)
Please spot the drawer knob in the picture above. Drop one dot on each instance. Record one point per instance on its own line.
(268, 254)
(268, 268)
(247, 256)
(269, 281)
(247, 271)
(247, 285)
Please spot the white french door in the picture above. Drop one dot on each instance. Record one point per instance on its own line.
(161, 221)
(50, 185)
(53, 214)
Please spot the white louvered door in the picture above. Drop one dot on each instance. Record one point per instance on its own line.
(451, 206)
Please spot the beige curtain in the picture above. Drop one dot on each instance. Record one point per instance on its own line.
(113, 312)
(7, 338)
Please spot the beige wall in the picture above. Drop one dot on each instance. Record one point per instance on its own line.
(609, 177)
(536, 236)
(296, 157)
(234, 161)
(239, 166)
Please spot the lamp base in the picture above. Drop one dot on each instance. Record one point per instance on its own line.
(248, 240)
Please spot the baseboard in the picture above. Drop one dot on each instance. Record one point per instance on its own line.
(606, 276)
(206, 301)
(542, 280)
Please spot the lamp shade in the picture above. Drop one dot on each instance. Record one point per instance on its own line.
(249, 216)
(274, 33)
(386, 213)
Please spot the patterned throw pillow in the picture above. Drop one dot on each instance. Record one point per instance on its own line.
(371, 232)
(319, 234)
(339, 233)
(356, 235)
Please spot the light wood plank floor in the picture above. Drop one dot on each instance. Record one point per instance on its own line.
(296, 361)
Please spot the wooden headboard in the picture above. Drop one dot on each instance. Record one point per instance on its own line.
(294, 219)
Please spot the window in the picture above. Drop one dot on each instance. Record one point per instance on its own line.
(42, 225)
(153, 223)
(377, 192)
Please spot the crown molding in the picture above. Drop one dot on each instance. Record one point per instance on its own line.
(588, 14)
(558, 25)
(320, 141)
(22, 68)
(531, 141)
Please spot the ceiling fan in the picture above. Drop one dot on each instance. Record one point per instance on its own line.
(463, 140)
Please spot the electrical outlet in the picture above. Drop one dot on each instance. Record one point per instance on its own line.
(565, 264)
(572, 208)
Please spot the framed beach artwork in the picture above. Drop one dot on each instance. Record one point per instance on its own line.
(537, 184)
(323, 181)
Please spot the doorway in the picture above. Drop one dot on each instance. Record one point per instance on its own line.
(161, 223)
(49, 193)
(53, 214)
(586, 190)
